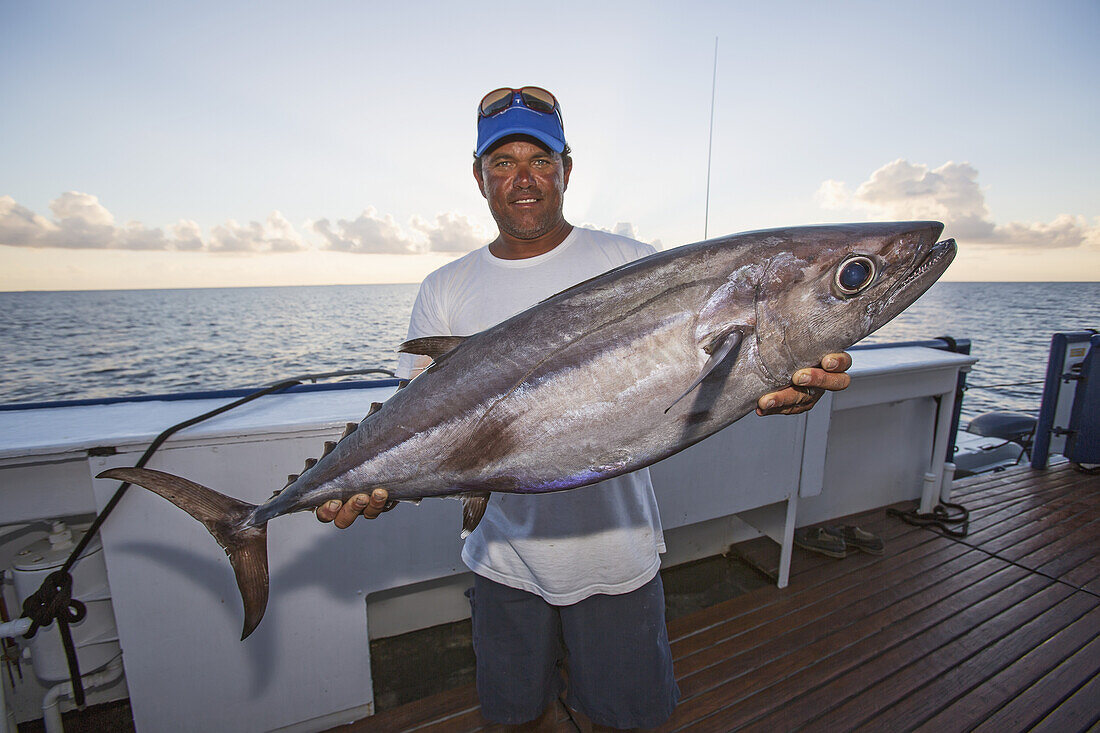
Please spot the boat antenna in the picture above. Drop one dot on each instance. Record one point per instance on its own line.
(710, 141)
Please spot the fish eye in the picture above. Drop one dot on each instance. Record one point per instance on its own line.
(855, 274)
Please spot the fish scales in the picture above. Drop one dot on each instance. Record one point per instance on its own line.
(606, 377)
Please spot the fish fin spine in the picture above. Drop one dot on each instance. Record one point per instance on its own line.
(473, 509)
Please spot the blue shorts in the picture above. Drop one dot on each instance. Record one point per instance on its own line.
(614, 647)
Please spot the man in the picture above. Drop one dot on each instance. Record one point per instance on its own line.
(570, 575)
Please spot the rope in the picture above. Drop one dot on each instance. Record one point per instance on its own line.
(940, 516)
(54, 601)
(970, 385)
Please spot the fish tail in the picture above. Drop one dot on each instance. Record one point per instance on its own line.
(227, 519)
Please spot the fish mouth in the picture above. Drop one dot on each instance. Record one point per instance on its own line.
(922, 276)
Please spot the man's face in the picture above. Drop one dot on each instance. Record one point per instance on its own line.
(524, 184)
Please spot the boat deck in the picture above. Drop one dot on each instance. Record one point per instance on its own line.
(999, 631)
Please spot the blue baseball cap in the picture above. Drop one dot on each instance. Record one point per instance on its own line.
(513, 116)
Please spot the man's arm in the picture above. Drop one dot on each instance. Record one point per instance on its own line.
(807, 386)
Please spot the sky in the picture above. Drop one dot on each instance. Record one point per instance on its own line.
(224, 144)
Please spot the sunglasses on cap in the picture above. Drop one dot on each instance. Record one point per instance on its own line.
(536, 99)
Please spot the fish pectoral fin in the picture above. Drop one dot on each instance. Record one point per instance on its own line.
(434, 346)
(723, 346)
(473, 509)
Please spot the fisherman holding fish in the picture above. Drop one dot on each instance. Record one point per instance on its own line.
(572, 574)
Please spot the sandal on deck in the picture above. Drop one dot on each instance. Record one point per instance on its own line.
(857, 539)
(817, 539)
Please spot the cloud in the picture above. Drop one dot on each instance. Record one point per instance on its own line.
(277, 235)
(81, 209)
(451, 233)
(367, 234)
(188, 236)
(21, 227)
(950, 193)
(81, 222)
(624, 229)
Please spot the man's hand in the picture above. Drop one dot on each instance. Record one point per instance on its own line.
(343, 514)
(807, 386)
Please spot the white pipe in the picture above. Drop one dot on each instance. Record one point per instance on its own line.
(948, 479)
(18, 627)
(7, 717)
(51, 710)
(933, 479)
(15, 628)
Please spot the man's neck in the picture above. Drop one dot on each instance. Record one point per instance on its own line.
(509, 248)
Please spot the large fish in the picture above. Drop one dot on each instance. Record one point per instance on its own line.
(606, 377)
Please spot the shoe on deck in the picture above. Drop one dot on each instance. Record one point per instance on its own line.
(816, 539)
(857, 539)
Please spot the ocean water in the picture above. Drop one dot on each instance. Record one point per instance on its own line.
(75, 345)
(1009, 325)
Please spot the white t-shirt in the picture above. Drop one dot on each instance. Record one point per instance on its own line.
(564, 546)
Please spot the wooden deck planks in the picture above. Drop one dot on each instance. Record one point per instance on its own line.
(997, 632)
(1043, 697)
(437, 709)
(820, 691)
(971, 694)
(788, 654)
(1017, 625)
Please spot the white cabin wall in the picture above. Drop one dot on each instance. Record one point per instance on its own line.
(873, 458)
(45, 489)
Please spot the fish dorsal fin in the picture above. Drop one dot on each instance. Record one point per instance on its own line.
(722, 346)
(583, 283)
(473, 509)
(434, 346)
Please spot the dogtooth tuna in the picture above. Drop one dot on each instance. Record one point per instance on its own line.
(606, 377)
